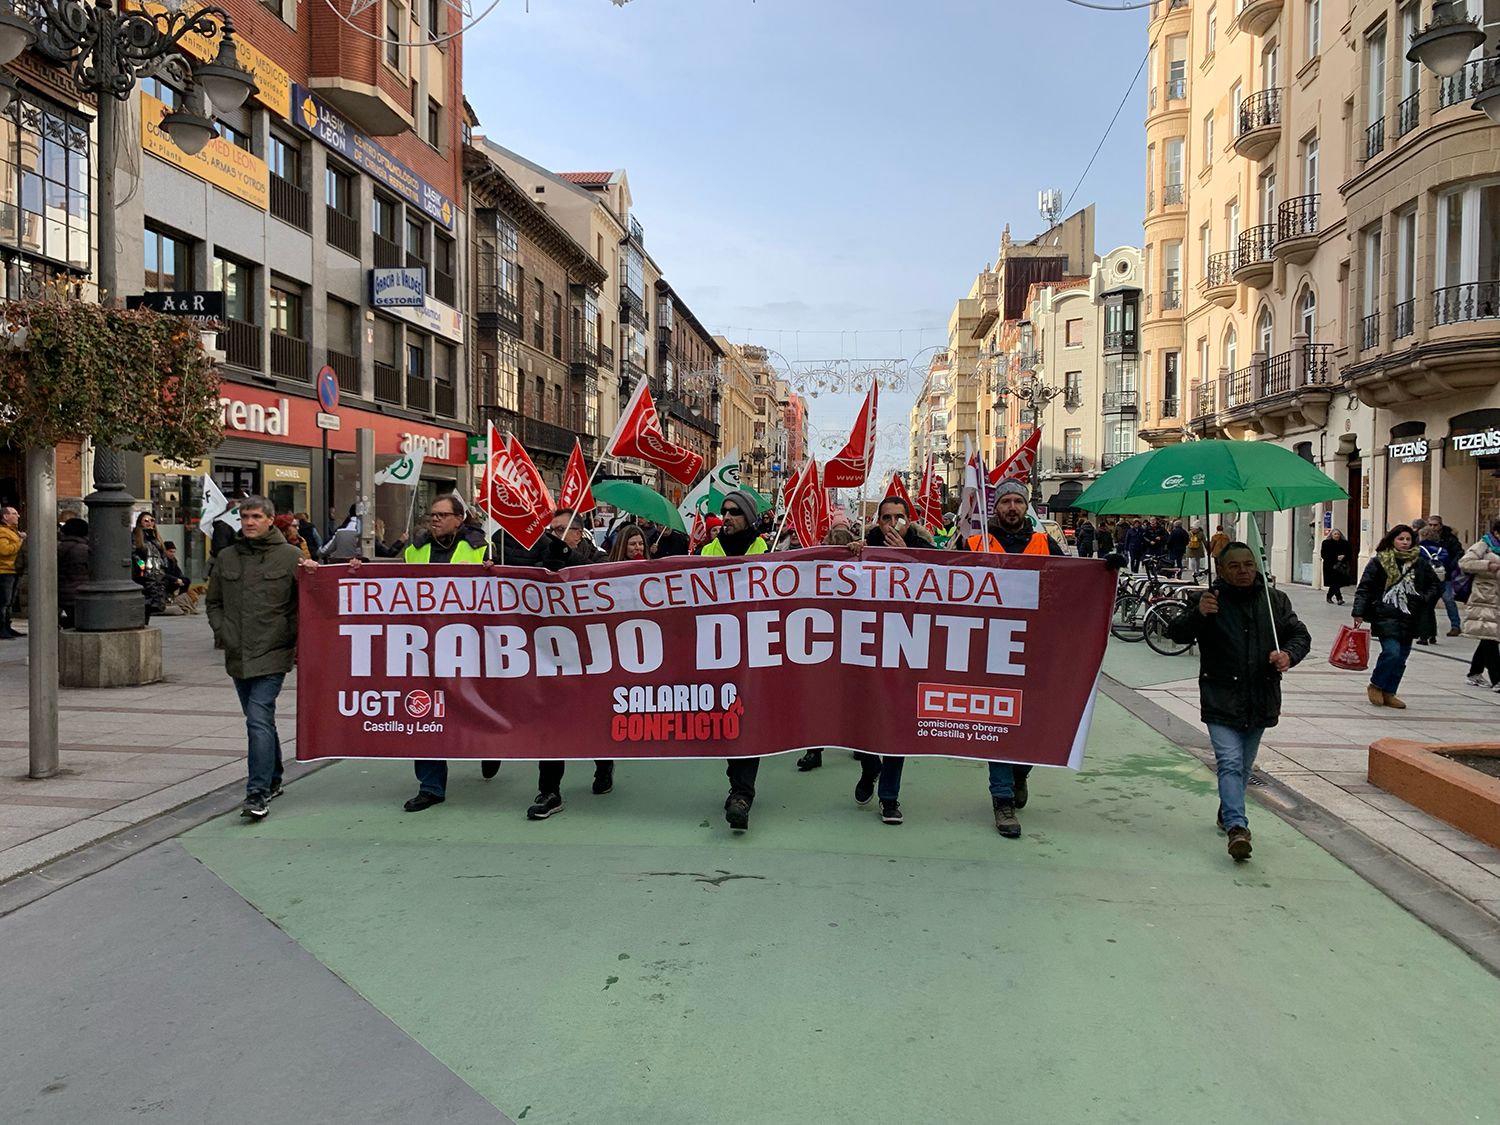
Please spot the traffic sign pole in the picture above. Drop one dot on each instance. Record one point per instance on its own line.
(328, 399)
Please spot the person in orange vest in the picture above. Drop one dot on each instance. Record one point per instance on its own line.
(1011, 531)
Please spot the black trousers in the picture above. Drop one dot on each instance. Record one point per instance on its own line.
(741, 774)
(549, 774)
(1486, 660)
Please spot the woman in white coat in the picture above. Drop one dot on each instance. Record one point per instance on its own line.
(1481, 563)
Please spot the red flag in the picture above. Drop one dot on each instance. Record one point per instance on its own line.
(807, 510)
(513, 493)
(698, 533)
(930, 499)
(639, 435)
(851, 465)
(1018, 465)
(575, 492)
(898, 488)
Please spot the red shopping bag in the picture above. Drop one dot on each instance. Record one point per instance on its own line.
(1351, 650)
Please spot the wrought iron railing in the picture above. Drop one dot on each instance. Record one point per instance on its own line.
(1317, 365)
(1463, 86)
(1120, 402)
(1297, 218)
(1404, 316)
(289, 358)
(343, 231)
(241, 343)
(1221, 268)
(1258, 111)
(1409, 113)
(1169, 408)
(346, 368)
(1369, 332)
(445, 399)
(418, 393)
(1476, 300)
(1176, 89)
(1242, 387)
(387, 383)
(1205, 400)
(1375, 139)
(388, 253)
(1122, 340)
(1255, 246)
(1171, 299)
(290, 203)
(1172, 195)
(1067, 465)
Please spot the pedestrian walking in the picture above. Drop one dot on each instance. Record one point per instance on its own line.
(1197, 549)
(1394, 594)
(287, 525)
(563, 545)
(839, 535)
(738, 536)
(1218, 542)
(1083, 538)
(252, 610)
(1134, 544)
(72, 566)
(1431, 546)
(1481, 563)
(150, 571)
(1104, 539)
(1248, 636)
(1338, 565)
(12, 539)
(1452, 549)
(1177, 544)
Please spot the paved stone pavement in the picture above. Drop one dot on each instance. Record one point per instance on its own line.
(1319, 750)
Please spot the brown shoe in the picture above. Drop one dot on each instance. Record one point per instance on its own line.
(1455, 632)
(1394, 701)
(1239, 844)
(1375, 695)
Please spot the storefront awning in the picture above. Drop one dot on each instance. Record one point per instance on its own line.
(1067, 492)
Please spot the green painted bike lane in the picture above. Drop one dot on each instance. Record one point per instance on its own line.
(630, 960)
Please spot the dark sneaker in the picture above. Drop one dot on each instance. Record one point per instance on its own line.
(604, 779)
(488, 770)
(1239, 844)
(276, 791)
(737, 813)
(810, 760)
(1219, 820)
(254, 808)
(544, 806)
(1023, 794)
(864, 791)
(1005, 817)
(890, 812)
(423, 800)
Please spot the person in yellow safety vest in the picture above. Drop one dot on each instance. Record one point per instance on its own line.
(1011, 532)
(738, 536)
(448, 539)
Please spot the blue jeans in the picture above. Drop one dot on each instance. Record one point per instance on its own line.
(1450, 604)
(432, 776)
(258, 701)
(887, 769)
(1390, 666)
(1003, 778)
(1234, 752)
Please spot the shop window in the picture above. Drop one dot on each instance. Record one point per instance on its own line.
(168, 262)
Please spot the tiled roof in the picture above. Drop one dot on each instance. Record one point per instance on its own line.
(588, 179)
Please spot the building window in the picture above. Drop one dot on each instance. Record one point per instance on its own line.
(539, 298)
(1268, 197)
(384, 215)
(416, 361)
(236, 280)
(55, 196)
(394, 24)
(340, 188)
(1174, 172)
(1208, 140)
(416, 240)
(434, 19)
(1307, 315)
(342, 327)
(557, 323)
(1171, 377)
(1073, 388)
(284, 158)
(1375, 75)
(238, 136)
(284, 310)
(1310, 166)
(163, 91)
(434, 124)
(1074, 333)
(1211, 33)
(275, 6)
(1468, 250)
(1072, 445)
(1313, 16)
(169, 263)
(1205, 248)
(1264, 333)
(1231, 349)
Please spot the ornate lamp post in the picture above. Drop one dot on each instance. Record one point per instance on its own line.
(105, 52)
(1036, 395)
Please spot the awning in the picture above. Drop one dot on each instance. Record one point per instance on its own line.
(1067, 492)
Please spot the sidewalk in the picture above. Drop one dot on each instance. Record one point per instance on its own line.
(1319, 750)
(128, 754)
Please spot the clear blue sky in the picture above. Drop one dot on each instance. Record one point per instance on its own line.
(807, 169)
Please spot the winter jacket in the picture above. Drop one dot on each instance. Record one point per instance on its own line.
(1177, 541)
(1482, 611)
(1104, 541)
(1084, 539)
(150, 574)
(252, 605)
(1237, 686)
(1385, 620)
(10, 549)
(1338, 562)
(1134, 542)
(72, 568)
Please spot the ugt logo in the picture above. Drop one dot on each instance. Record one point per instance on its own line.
(419, 704)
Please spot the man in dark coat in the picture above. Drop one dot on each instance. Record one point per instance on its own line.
(1247, 638)
(72, 565)
(1083, 539)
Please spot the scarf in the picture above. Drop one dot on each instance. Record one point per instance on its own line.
(739, 542)
(1401, 578)
(1395, 562)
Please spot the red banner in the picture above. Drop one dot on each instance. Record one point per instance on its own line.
(849, 467)
(896, 652)
(576, 493)
(639, 435)
(512, 492)
(930, 499)
(1018, 465)
(807, 511)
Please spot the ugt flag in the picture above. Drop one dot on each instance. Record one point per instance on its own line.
(639, 435)
(575, 492)
(851, 465)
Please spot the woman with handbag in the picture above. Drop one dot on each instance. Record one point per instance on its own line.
(1338, 565)
(1395, 593)
(1481, 566)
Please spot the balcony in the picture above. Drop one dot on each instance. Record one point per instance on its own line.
(1239, 389)
(241, 343)
(685, 411)
(1205, 405)
(1124, 340)
(418, 393)
(538, 436)
(445, 287)
(1171, 299)
(1110, 460)
(1254, 260)
(290, 203)
(632, 308)
(1409, 114)
(388, 254)
(1369, 332)
(1463, 86)
(1028, 360)
(1258, 127)
(1218, 286)
(1290, 391)
(289, 358)
(495, 310)
(1297, 229)
(1175, 90)
(1375, 139)
(387, 384)
(606, 357)
(1173, 195)
(1478, 300)
(1404, 317)
(1120, 402)
(343, 231)
(1256, 16)
(1169, 408)
(1069, 465)
(346, 368)
(445, 399)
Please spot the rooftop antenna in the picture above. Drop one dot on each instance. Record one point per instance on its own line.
(1049, 203)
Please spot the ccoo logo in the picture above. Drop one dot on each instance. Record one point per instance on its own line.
(1173, 481)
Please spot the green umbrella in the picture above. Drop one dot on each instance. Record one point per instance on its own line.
(1202, 477)
(639, 500)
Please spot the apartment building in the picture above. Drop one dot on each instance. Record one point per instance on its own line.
(686, 386)
(1315, 254)
(765, 463)
(737, 415)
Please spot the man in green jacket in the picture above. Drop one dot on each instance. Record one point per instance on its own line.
(252, 608)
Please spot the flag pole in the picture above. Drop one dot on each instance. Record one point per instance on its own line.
(629, 409)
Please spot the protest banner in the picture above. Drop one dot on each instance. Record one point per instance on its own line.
(896, 652)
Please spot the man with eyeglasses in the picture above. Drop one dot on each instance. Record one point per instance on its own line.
(565, 544)
(738, 536)
(12, 539)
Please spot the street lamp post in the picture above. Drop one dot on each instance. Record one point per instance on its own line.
(105, 52)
